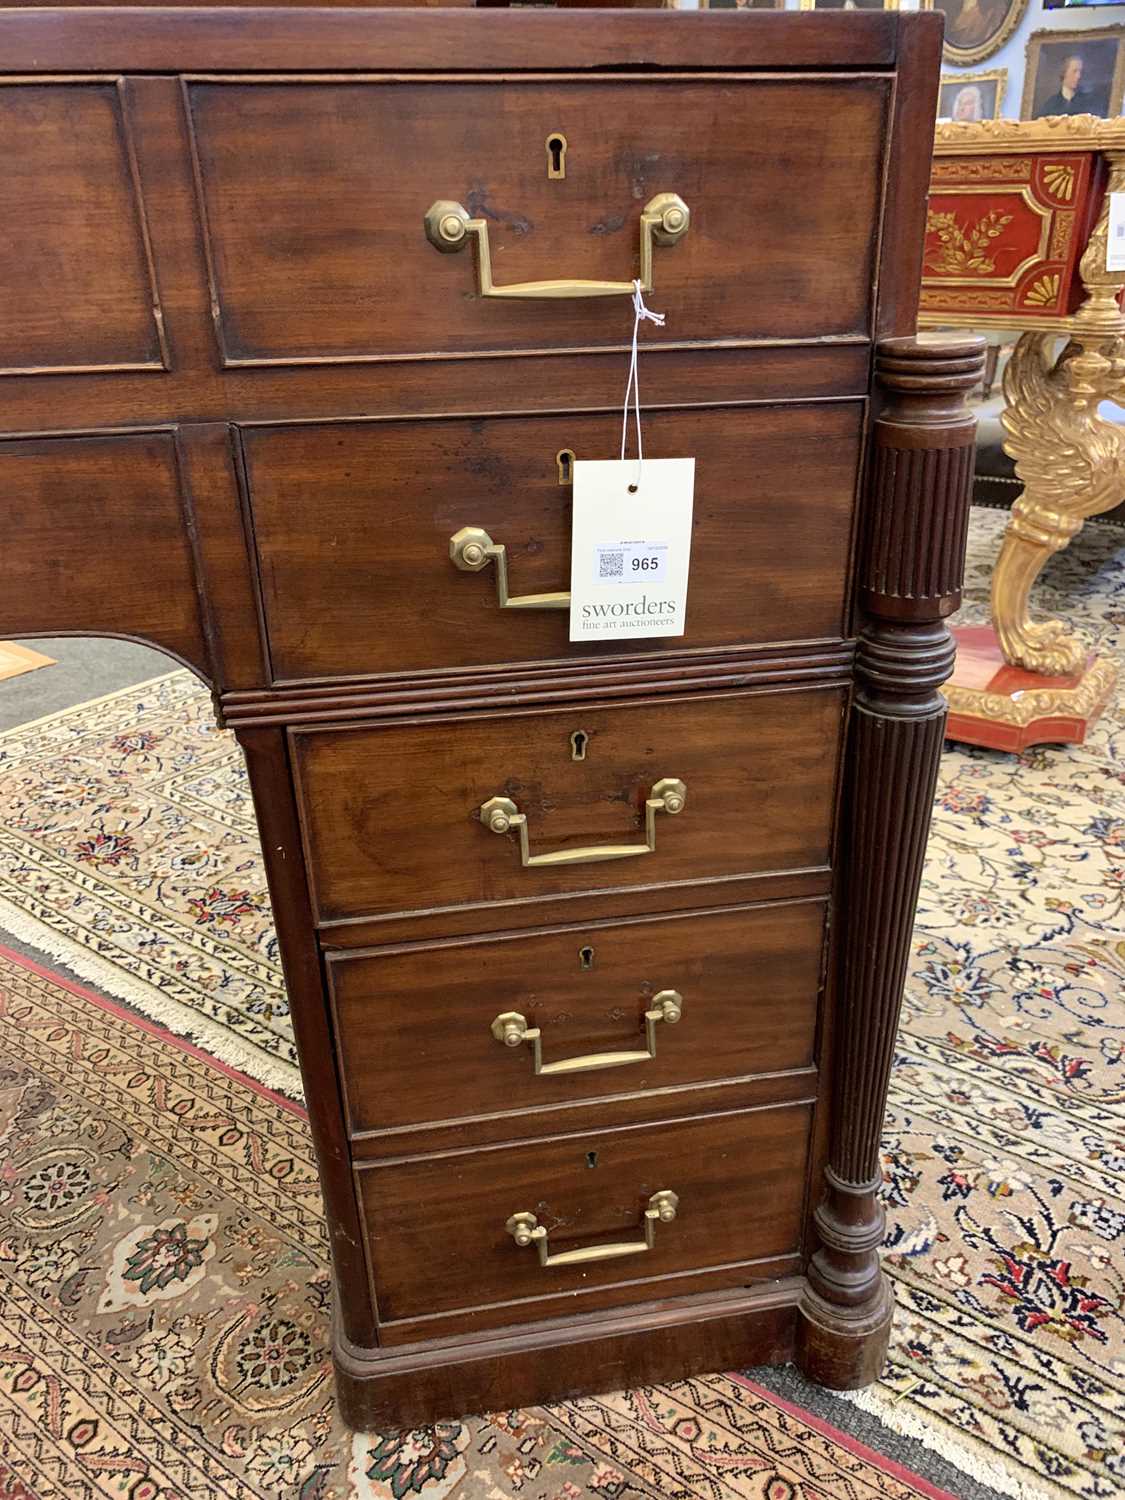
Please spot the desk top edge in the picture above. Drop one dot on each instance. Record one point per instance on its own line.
(86, 39)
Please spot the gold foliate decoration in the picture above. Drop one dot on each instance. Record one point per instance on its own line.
(1053, 133)
(1060, 179)
(1043, 292)
(1061, 235)
(960, 250)
(1083, 701)
(1005, 169)
(1071, 461)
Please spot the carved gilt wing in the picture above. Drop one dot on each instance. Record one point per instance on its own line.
(1048, 456)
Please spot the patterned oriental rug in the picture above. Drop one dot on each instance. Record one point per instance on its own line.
(164, 1312)
(128, 851)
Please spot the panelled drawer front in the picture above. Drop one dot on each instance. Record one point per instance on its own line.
(392, 814)
(746, 982)
(437, 1226)
(353, 523)
(314, 195)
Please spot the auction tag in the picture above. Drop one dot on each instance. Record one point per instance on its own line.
(1115, 239)
(630, 550)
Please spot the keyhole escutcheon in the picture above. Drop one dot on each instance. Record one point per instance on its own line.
(565, 460)
(578, 742)
(586, 958)
(556, 156)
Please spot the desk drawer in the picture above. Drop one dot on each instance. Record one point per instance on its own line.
(315, 192)
(620, 1008)
(353, 526)
(440, 814)
(440, 1241)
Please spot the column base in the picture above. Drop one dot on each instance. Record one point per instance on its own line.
(1007, 708)
(844, 1348)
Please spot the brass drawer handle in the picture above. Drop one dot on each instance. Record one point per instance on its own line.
(512, 1029)
(526, 1229)
(665, 219)
(472, 549)
(501, 815)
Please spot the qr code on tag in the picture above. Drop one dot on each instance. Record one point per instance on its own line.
(611, 564)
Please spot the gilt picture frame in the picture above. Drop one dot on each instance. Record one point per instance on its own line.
(975, 29)
(848, 5)
(972, 96)
(1101, 81)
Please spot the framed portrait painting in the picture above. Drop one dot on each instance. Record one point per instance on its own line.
(848, 5)
(975, 29)
(1073, 73)
(972, 96)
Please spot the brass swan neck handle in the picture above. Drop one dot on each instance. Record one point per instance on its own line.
(512, 1030)
(526, 1229)
(501, 815)
(449, 227)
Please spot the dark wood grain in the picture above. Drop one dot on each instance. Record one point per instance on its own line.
(630, 674)
(749, 981)
(138, 578)
(268, 767)
(258, 365)
(213, 38)
(897, 723)
(667, 1339)
(391, 814)
(908, 172)
(658, 899)
(314, 195)
(436, 1226)
(75, 277)
(547, 382)
(224, 562)
(353, 532)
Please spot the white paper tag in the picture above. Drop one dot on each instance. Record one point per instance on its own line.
(1115, 239)
(630, 552)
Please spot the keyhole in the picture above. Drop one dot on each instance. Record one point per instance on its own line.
(578, 742)
(585, 958)
(565, 459)
(556, 156)
(591, 1158)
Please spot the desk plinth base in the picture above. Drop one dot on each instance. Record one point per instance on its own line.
(380, 1390)
(1007, 708)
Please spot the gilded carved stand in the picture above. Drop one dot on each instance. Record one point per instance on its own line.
(1017, 238)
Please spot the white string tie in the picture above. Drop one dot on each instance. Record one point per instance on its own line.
(633, 386)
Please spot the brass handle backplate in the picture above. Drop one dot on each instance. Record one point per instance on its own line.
(512, 1029)
(501, 815)
(664, 220)
(526, 1229)
(472, 549)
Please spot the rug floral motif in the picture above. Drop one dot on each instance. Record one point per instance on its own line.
(127, 847)
(164, 1312)
(1004, 1147)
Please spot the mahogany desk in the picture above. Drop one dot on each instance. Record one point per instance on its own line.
(589, 1120)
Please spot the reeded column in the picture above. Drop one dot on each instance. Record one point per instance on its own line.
(910, 568)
